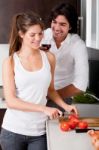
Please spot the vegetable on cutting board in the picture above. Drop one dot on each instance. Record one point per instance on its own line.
(73, 122)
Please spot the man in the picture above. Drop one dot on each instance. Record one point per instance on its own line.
(71, 72)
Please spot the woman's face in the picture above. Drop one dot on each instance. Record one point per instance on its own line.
(32, 37)
(60, 27)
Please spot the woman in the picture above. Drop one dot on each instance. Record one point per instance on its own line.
(27, 79)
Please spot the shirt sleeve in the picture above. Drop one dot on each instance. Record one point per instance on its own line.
(81, 67)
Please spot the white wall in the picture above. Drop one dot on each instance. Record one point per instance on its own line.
(4, 51)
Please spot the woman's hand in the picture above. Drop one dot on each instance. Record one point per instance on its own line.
(53, 113)
(95, 138)
(72, 108)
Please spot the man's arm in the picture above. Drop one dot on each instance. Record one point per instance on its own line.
(69, 91)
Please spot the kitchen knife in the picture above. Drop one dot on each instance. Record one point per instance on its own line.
(63, 117)
(85, 130)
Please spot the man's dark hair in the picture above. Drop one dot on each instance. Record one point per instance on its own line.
(68, 11)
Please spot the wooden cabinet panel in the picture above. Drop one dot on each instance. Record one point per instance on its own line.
(9, 7)
(2, 111)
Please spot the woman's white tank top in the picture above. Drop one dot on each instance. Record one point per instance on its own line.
(31, 87)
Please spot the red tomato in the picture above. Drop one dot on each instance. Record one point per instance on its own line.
(72, 125)
(64, 126)
(72, 116)
(75, 121)
(83, 124)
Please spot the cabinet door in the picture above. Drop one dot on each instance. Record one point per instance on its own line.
(2, 112)
(42, 7)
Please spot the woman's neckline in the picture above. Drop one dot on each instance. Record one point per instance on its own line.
(26, 70)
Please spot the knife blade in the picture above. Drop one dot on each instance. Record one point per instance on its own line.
(63, 117)
(85, 130)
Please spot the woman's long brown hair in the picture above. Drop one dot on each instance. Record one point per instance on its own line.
(21, 22)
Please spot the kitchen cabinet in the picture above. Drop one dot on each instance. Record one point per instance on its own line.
(42, 7)
(2, 112)
(94, 77)
(92, 23)
(59, 140)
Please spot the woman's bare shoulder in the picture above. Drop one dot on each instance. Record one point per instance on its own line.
(7, 61)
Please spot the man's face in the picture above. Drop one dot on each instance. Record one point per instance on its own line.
(60, 28)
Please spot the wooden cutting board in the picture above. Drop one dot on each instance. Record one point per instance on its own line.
(92, 121)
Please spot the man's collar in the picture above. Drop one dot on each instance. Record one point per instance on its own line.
(67, 39)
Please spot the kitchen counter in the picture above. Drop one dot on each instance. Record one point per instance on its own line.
(71, 140)
(86, 110)
(59, 140)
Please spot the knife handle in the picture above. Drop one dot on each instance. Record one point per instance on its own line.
(84, 130)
